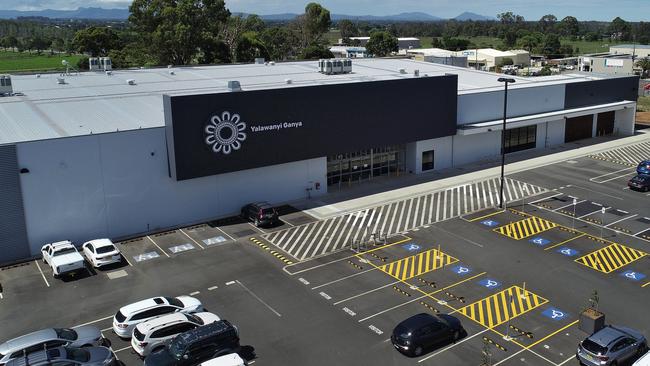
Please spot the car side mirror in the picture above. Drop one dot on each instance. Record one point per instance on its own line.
(185, 356)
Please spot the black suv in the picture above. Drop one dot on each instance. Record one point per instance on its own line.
(422, 331)
(260, 213)
(197, 345)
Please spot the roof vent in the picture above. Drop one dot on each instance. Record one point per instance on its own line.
(60, 81)
(335, 66)
(259, 60)
(172, 72)
(416, 73)
(234, 86)
(109, 72)
(38, 76)
(288, 81)
(170, 66)
(130, 81)
(5, 85)
(402, 71)
(272, 63)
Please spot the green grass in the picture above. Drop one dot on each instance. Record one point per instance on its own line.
(643, 104)
(11, 62)
(589, 46)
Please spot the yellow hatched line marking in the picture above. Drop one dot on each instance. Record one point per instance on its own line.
(418, 264)
(610, 258)
(502, 306)
(525, 228)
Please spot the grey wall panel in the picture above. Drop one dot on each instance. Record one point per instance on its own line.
(13, 235)
(480, 107)
(595, 92)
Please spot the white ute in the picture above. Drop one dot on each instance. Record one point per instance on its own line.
(63, 258)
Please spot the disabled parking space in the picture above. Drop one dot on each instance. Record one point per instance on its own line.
(206, 235)
(140, 249)
(496, 218)
(174, 242)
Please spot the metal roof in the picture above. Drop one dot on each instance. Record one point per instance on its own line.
(642, 46)
(93, 102)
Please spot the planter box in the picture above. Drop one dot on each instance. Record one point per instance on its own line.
(591, 321)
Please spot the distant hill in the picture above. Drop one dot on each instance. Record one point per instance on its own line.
(403, 17)
(81, 13)
(472, 16)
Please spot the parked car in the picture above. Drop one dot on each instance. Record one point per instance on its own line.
(197, 345)
(643, 361)
(640, 182)
(101, 252)
(643, 167)
(232, 359)
(611, 345)
(82, 336)
(67, 356)
(151, 336)
(63, 258)
(131, 315)
(422, 331)
(260, 213)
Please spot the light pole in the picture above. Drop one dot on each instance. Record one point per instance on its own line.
(503, 134)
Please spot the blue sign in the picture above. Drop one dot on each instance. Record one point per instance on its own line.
(569, 252)
(489, 223)
(555, 313)
(411, 247)
(539, 241)
(490, 283)
(632, 275)
(461, 270)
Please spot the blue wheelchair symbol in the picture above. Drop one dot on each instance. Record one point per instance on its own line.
(461, 270)
(569, 252)
(489, 223)
(555, 313)
(633, 275)
(490, 283)
(539, 241)
(411, 247)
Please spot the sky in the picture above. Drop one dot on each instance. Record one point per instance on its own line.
(632, 10)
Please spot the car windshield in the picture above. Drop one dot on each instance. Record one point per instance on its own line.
(176, 350)
(120, 317)
(64, 251)
(402, 332)
(194, 319)
(106, 249)
(593, 347)
(77, 354)
(65, 333)
(268, 211)
(174, 301)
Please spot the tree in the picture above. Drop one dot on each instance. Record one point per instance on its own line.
(280, 43)
(382, 44)
(58, 45)
(249, 48)
(347, 28)
(509, 38)
(528, 43)
(9, 42)
(315, 52)
(569, 26)
(215, 51)
(547, 22)
(455, 44)
(592, 37)
(551, 45)
(175, 31)
(644, 64)
(253, 23)
(620, 29)
(510, 18)
(96, 41)
(313, 23)
(38, 43)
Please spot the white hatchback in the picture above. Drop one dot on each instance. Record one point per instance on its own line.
(101, 252)
(152, 335)
(131, 315)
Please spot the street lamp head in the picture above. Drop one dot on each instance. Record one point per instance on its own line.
(506, 80)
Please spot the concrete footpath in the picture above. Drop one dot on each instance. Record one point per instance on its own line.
(387, 189)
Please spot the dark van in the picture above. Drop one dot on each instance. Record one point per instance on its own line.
(197, 345)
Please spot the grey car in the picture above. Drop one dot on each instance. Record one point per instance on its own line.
(612, 345)
(82, 336)
(68, 356)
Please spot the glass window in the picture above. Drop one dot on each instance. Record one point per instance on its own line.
(518, 139)
(427, 160)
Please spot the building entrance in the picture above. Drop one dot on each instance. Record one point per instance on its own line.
(360, 166)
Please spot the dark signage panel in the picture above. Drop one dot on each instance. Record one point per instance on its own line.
(593, 92)
(217, 133)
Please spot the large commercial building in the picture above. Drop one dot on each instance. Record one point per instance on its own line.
(489, 58)
(112, 155)
(607, 63)
(638, 50)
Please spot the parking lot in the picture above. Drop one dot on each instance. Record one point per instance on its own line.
(517, 277)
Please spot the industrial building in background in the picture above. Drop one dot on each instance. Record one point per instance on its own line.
(127, 152)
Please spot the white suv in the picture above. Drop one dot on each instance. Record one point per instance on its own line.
(63, 258)
(152, 335)
(131, 315)
(101, 252)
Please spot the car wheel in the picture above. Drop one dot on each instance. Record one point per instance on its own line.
(456, 335)
(257, 222)
(417, 351)
(642, 350)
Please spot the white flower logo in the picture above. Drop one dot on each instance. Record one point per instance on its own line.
(225, 133)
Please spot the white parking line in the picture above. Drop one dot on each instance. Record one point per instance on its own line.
(93, 321)
(195, 293)
(545, 198)
(623, 219)
(365, 293)
(256, 228)
(608, 174)
(616, 177)
(640, 232)
(42, 275)
(121, 349)
(570, 204)
(601, 193)
(213, 288)
(106, 329)
(258, 298)
(343, 278)
(567, 360)
(453, 345)
(226, 234)
(154, 243)
(591, 213)
(192, 239)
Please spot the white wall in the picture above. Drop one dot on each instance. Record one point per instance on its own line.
(555, 135)
(110, 185)
(442, 156)
(488, 106)
(624, 121)
(471, 148)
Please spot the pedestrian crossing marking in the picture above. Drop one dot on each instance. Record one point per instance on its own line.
(610, 258)
(502, 306)
(418, 264)
(627, 155)
(525, 228)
